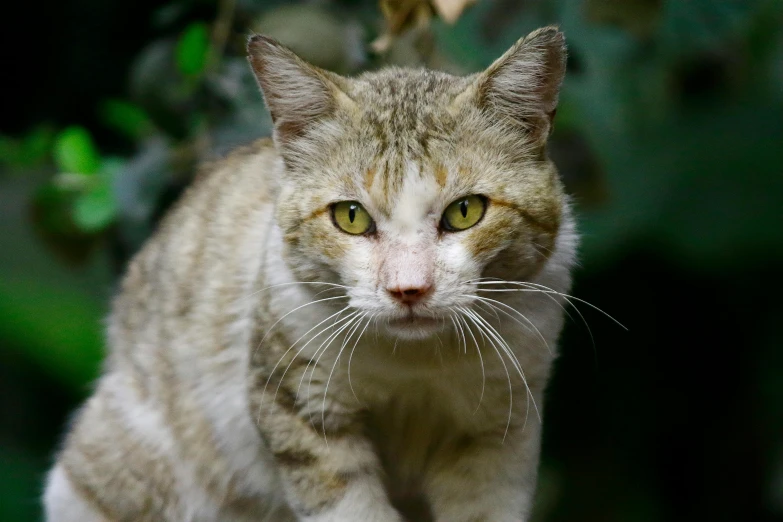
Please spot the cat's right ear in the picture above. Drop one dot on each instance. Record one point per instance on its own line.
(296, 93)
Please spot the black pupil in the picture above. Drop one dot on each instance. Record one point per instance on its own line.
(352, 213)
(463, 207)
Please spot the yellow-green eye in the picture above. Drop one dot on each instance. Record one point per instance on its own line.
(463, 213)
(350, 216)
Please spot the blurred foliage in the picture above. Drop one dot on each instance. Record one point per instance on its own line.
(668, 136)
(193, 50)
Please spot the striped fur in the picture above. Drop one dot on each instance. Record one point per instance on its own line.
(230, 394)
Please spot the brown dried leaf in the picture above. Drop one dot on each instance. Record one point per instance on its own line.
(450, 10)
(406, 15)
(401, 16)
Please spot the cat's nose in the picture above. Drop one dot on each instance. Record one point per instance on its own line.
(410, 294)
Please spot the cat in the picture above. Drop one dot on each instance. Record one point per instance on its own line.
(353, 321)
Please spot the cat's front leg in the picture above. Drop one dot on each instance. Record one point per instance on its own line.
(487, 479)
(330, 472)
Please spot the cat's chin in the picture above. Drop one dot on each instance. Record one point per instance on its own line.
(413, 327)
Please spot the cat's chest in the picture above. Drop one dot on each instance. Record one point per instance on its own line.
(408, 430)
(412, 421)
(420, 425)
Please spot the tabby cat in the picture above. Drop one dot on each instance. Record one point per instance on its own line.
(352, 322)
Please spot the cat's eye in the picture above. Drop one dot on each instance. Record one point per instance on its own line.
(463, 213)
(350, 217)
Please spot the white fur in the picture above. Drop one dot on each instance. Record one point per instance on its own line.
(61, 502)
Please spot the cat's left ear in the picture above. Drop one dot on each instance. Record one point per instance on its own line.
(522, 86)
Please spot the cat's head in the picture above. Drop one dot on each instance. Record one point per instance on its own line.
(407, 186)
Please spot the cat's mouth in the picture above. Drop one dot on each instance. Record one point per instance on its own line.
(413, 326)
(413, 320)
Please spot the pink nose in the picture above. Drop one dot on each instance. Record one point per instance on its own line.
(410, 295)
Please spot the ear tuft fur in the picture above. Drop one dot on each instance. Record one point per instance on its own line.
(523, 85)
(296, 93)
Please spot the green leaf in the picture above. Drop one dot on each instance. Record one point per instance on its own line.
(127, 118)
(72, 181)
(37, 145)
(9, 150)
(20, 480)
(31, 149)
(96, 208)
(59, 328)
(112, 166)
(193, 49)
(74, 151)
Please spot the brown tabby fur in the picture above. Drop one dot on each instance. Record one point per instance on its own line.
(203, 411)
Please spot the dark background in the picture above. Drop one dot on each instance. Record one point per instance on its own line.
(669, 136)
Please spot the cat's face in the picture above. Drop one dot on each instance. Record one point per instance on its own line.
(409, 186)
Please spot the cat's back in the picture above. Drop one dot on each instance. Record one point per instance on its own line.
(182, 289)
(172, 388)
(203, 235)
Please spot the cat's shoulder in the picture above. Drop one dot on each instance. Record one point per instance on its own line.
(221, 196)
(246, 173)
(260, 153)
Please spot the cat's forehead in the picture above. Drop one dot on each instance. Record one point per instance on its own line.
(398, 86)
(407, 129)
(403, 100)
(405, 194)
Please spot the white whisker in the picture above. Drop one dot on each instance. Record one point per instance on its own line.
(292, 311)
(326, 329)
(322, 349)
(457, 331)
(494, 334)
(535, 287)
(489, 302)
(333, 285)
(350, 384)
(271, 373)
(481, 360)
(373, 318)
(471, 315)
(336, 361)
